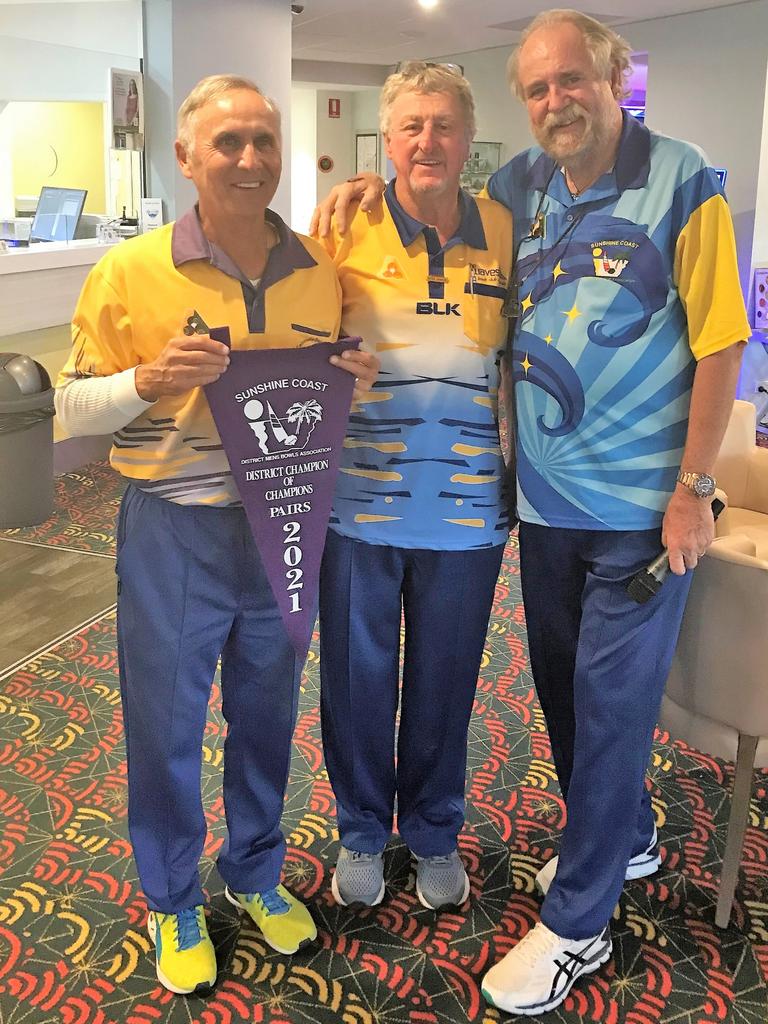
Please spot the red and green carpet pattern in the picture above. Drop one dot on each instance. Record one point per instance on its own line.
(73, 942)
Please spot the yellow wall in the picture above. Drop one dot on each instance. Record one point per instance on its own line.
(75, 131)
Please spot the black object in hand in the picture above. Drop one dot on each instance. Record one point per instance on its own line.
(195, 325)
(646, 583)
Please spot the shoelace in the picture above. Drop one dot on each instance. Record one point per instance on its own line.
(272, 900)
(187, 929)
(539, 940)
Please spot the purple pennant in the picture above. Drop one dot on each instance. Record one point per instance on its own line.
(282, 417)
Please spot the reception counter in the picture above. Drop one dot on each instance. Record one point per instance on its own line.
(40, 283)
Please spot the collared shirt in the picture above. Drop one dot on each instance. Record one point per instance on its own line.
(626, 287)
(422, 467)
(137, 297)
(290, 254)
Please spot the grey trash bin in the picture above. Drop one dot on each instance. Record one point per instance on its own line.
(26, 441)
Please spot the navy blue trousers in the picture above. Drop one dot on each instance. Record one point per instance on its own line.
(600, 663)
(192, 588)
(446, 599)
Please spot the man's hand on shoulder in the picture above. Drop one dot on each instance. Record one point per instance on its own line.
(366, 186)
(688, 529)
(184, 363)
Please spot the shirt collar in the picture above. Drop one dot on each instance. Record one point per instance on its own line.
(633, 161)
(470, 230)
(189, 243)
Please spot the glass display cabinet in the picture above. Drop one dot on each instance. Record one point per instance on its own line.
(483, 160)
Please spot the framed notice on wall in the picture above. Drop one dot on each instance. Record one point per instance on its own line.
(367, 153)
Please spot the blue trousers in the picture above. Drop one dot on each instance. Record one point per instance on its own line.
(192, 587)
(446, 599)
(600, 662)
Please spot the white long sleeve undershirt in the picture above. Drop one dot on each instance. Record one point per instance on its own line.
(99, 405)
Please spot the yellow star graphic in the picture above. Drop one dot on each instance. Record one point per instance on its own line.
(549, 339)
(526, 364)
(526, 303)
(572, 313)
(558, 270)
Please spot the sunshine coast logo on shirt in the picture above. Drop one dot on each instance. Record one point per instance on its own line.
(611, 257)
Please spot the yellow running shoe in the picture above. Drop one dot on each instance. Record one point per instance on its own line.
(186, 961)
(285, 923)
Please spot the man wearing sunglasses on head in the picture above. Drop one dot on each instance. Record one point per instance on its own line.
(418, 526)
(627, 329)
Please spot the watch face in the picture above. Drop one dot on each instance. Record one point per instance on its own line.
(704, 486)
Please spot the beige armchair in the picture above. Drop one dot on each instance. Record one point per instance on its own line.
(717, 691)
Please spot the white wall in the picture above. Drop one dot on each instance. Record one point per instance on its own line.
(185, 40)
(500, 116)
(707, 84)
(303, 156)
(63, 51)
(335, 138)
(760, 243)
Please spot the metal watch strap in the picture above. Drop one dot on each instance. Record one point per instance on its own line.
(689, 479)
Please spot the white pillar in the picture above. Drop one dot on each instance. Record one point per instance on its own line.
(185, 40)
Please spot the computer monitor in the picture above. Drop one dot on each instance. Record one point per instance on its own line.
(57, 214)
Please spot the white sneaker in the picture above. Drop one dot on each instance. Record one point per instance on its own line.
(540, 971)
(640, 866)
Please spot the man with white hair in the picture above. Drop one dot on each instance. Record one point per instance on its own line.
(191, 583)
(627, 321)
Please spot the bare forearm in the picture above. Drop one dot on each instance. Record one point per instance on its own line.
(688, 527)
(714, 387)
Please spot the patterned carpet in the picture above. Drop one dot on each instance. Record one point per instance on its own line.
(86, 505)
(73, 944)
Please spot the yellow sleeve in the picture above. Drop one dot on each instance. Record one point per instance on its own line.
(321, 249)
(337, 245)
(102, 334)
(707, 279)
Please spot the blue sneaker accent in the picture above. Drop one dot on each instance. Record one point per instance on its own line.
(272, 900)
(184, 954)
(188, 930)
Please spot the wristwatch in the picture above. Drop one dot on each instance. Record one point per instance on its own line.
(701, 484)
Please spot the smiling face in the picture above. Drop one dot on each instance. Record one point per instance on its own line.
(573, 110)
(428, 142)
(233, 156)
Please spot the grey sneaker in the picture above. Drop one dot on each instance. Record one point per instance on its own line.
(359, 878)
(441, 881)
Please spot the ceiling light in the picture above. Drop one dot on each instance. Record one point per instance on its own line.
(428, 4)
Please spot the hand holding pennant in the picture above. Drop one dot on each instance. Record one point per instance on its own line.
(282, 417)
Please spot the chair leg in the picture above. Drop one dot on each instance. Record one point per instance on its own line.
(737, 824)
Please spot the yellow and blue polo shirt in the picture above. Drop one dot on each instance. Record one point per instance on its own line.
(422, 465)
(626, 287)
(138, 296)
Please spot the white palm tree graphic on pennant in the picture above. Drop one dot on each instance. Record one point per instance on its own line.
(310, 412)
